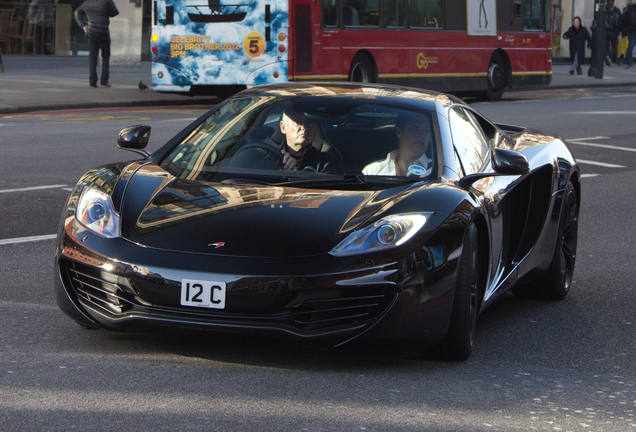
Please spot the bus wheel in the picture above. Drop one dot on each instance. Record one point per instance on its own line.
(362, 69)
(497, 78)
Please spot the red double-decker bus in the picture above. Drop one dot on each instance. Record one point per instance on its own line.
(450, 45)
(477, 46)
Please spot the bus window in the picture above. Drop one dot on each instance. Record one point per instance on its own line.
(329, 13)
(361, 13)
(533, 18)
(394, 13)
(425, 13)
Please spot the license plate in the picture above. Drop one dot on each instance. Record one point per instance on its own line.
(200, 293)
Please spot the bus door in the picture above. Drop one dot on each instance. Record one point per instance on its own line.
(328, 43)
(301, 21)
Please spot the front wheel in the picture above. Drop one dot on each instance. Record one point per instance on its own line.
(362, 69)
(458, 342)
(558, 278)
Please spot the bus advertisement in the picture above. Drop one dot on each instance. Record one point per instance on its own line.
(477, 46)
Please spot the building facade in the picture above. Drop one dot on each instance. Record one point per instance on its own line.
(48, 27)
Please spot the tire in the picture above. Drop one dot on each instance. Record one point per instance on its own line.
(362, 69)
(497, 78)
(458, 342)
(557, 280)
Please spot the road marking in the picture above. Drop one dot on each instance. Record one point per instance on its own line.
(603, 164)
(32, 188)
(590, 175)
(588, 139)
(605, 112)
(605, 146)
(27, 239)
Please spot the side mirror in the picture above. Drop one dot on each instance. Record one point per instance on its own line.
(509, 162)
(504, 162)
(135, 139)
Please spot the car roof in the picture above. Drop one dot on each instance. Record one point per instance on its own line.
(345, 89)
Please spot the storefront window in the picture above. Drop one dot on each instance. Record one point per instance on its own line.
(48, 27)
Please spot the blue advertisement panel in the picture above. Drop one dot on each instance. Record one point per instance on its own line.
(218, 42)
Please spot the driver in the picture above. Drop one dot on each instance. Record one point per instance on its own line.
(298, 148)
(414, 136)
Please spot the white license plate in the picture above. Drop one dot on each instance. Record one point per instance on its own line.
(200, 293)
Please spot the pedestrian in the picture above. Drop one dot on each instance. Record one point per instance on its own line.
(628, 23)
(621, 47)
(578, 35)
(612, 29)
(93, 16)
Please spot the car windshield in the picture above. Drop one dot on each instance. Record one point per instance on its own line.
(304, 139)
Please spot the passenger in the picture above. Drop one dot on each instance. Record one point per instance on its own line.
(414, 135)
(298, 147)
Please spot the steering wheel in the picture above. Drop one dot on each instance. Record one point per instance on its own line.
(258, 155)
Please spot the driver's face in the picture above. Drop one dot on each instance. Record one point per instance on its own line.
(415, 137)
(298, 131)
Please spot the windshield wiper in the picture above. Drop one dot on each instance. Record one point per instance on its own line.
(245, 181)
(354, 177)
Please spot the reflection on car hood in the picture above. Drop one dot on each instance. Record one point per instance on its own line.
(160, 211)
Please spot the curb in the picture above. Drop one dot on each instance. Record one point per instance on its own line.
(213, 100)
(583, 86)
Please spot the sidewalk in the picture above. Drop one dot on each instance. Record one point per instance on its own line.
(47, 83)
(41, 83)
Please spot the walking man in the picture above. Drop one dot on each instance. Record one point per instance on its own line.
(93, 16)
(612, 29)
(628, 21)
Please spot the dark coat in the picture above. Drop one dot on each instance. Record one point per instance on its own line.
(96, 14)
(613, 21)
(628, 20)
(577, 41)
(324, 161)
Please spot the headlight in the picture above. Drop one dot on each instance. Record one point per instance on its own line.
(386, 233)
(95, 211)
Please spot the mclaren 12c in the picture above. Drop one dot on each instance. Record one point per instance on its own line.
(327, 213)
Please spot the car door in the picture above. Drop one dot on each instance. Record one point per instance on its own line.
(474, 139)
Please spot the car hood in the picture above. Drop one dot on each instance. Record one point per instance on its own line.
(160, 211)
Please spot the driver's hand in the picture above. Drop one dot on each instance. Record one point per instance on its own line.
(289, 162)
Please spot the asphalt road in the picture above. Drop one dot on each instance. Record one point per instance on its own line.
(549, 366)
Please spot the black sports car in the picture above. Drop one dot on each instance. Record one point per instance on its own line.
(324, 212)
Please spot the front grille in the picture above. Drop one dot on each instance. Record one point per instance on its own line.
(334, 308)
(99, 288)
(300, 305)
(306, 311)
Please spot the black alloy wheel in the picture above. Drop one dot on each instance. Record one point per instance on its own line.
(458, 342)
(558, 277)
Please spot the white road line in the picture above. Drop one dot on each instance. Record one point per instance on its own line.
(27, 239)
(588, 139)
(589, 175)
(603, 164)
(605, 112)
(627, 149)
(32, 188)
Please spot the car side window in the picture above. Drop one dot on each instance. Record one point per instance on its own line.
(488, 130)
(470, 143)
